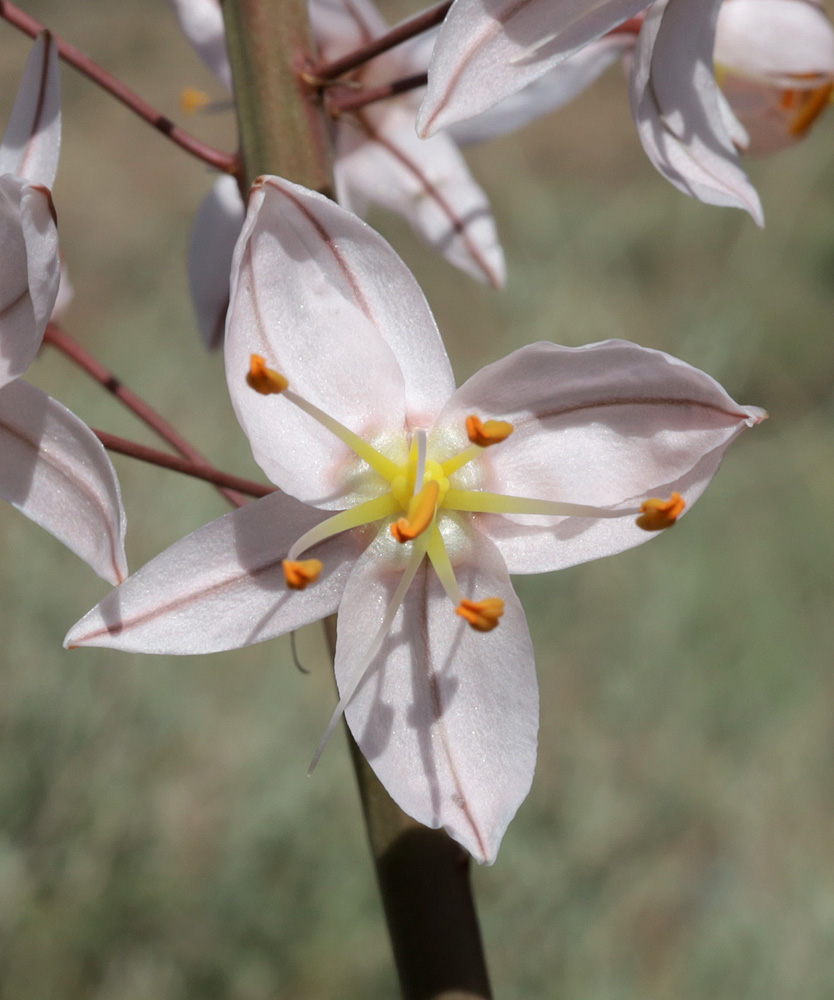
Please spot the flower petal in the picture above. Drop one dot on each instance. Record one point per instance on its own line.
(425, 181)
(56, 472)
(32, 140)
(676, 105)
(202, 23)
(217, 226)
(446, 716)
(329, 304)
(29, 273)
(222, 586)
(788, 42)
(490, 49)
(609, 425)
(557, 87)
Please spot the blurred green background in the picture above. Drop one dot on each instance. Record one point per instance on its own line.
(158, 837)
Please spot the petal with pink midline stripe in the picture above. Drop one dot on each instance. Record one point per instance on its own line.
(222, 586)
(446, 716)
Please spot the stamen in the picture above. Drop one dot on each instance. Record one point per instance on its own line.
(421, 509)
(357, 676)
(659, 514)
(264, 380)
(489, 433)
(192, 99)
(483, 502)
(442, 566)
(299, 574)
(482, 615)
(812, 105)
(353, 517)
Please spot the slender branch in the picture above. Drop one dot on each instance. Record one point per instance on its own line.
(24, 22)
(341, 99)
(401, 33)
(426, 891)
(92, 366)
(199, 470)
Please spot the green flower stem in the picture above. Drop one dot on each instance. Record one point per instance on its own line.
(426, 892)
(282, 129)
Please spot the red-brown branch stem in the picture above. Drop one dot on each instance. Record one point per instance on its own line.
(24, 22)
(200, 470)
(147, 414)
(401, 33)
(341, 99)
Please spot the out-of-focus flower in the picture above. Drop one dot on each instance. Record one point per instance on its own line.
(406, 504)
(488, 51)
(52, 466)
(379, 159)
(774, 60)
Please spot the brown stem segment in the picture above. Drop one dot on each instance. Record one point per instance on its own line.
(75, 57)
(199, 470)
(426, 891)
(92, 366)
(282, 129)
(341, 99)
(396, 36)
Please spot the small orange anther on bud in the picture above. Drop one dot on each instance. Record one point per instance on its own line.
(485, 434)
(482, 615)
(659, 514)
(264, 380)
(421, 509)
(192, 99)
(299, 574)
(812, 103)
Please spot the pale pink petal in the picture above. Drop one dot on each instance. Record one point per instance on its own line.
(54, 469)
(222, 586)
(425, 181)
(202, 23)
(609, 425)
(339, 26)
(446, 716)
(328, 303)
(775, 41)
(29, 273)
(66, 293)
(676, 105)
(556, 88)
(32, 140)
(217, 226)
(490, 49)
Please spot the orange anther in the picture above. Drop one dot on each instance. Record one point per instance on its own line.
(299, 574)
(482, 615)
(812, 103)
(485, 434)
(262, 379)
(421, 509)
(192, 99)
(659, 514)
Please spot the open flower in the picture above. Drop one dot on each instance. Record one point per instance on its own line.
(52, 466)
(378, 158)
(408, 503)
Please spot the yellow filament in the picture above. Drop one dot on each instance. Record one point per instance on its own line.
(345, 520)
(442, 566)
(489, 433)
(264, 380)
(299, 574)
(420, 514)
(659, 514)
(482, 615)
(483, 502)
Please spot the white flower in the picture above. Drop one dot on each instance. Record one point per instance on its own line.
(52, 466)
(407, 504)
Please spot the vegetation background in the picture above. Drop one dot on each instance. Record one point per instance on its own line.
(158, 837)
